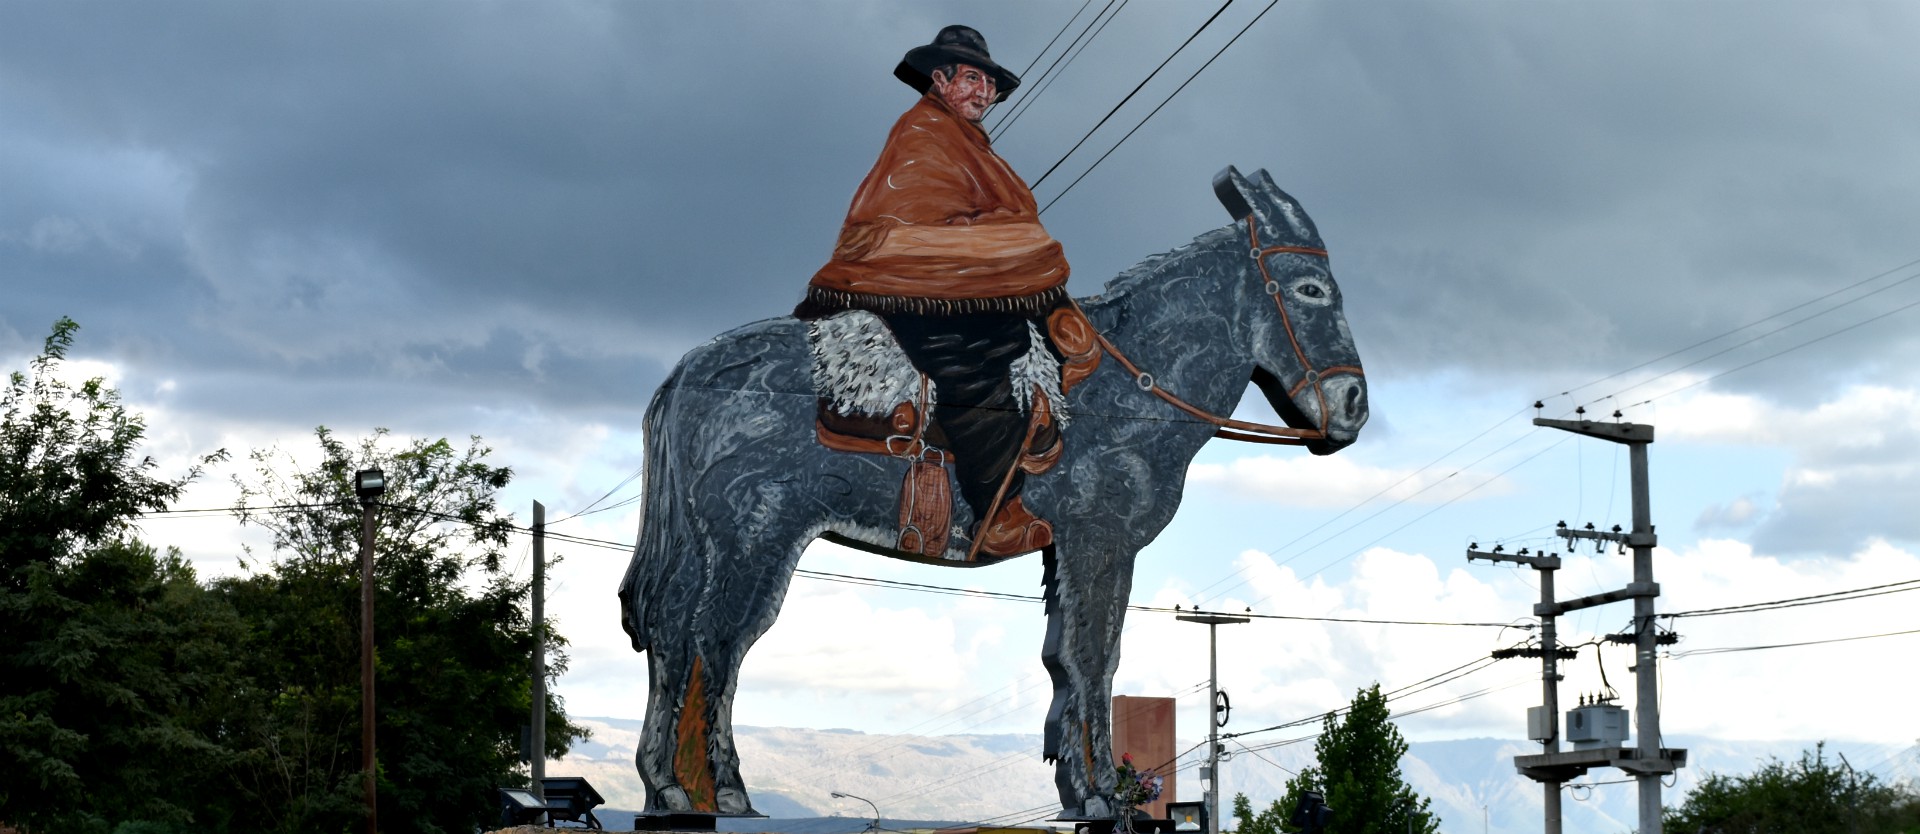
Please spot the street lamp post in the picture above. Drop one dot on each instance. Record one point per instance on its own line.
(369, 485)
(1212, 773)
(875, 825)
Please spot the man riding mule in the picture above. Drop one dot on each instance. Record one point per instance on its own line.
(945, 289)
(943, 243)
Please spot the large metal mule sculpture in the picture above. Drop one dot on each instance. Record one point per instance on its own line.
(737, 483)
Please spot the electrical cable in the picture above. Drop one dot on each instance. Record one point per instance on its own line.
(1129, 96)
(1369, 499)
(1423, 516)
(1052, 74)
(1156, 109)
(1796, 602)
(1028, 84)
(1710, 339)
(1732, 649)
(1257, 755)
(1782, 328)
(1816, 340)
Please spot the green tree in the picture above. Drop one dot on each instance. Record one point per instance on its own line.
(114, 655)
(453, 640)
(1812, 796)
(1357, 771)
(1269, 820)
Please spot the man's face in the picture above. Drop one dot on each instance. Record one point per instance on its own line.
(969, 92)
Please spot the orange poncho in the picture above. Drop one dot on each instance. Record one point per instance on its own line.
(940, 225)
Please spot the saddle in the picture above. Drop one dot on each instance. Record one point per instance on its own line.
(873, 401)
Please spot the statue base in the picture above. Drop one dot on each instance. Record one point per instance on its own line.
(682, 820)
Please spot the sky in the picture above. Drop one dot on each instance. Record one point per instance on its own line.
(511, 219)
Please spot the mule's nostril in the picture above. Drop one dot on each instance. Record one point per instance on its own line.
(1353, 402)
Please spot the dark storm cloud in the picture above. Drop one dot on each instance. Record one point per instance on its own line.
(561, 198)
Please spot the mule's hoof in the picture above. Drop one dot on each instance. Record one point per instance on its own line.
(1096, 808)
(672, 798)
(733, 801)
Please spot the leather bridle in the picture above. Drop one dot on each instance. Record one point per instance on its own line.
(1227, 427)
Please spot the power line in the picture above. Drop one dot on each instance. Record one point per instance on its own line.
(1449, 702)
(1129, 97)
(1732, 649)
(1055, 69)
(1056, 38)
(1816, 340)
(1796, 602)
(1756, 322)
(1781, 329)
(878, 582)
(1029, 84)
(1441, 679)
(1156, 109)
(1423, 516)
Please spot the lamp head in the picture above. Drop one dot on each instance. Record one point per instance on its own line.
(369, 484)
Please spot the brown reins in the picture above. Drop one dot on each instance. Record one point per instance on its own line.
(1227, 427)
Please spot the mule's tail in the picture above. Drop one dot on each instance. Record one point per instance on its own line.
(655, 557)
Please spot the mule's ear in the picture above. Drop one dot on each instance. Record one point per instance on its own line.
(1234, 192)
(1290, 211)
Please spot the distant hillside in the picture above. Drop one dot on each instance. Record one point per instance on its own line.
(790, 773)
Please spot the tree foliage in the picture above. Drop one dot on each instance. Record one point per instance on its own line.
(1357, 770)
(137, 698)
(1811, 796)
(453, 640)
(113, 660)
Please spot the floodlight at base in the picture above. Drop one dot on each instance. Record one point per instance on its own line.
(1188, 816)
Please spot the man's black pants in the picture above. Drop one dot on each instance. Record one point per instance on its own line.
(968, 356)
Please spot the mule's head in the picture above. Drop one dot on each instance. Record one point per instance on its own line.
(1304, 358)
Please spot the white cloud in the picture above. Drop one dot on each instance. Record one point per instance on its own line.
(1851, 478)
(1279, 670)
(1332, 481)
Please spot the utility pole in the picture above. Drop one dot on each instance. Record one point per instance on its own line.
(537, 755)
(1647, 761)
(1542, 721)
(369, 485)
(1212, 774)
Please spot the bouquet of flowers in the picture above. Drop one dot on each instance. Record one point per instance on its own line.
(1135, 787)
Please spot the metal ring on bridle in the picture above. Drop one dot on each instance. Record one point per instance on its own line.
(1273, 288)
(1255, 251)
(1144, 380)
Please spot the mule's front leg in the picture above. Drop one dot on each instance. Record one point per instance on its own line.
(1087, 591)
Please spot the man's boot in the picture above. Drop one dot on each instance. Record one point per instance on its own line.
(1014, 531)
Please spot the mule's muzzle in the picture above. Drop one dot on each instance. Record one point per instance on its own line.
(1345, 403)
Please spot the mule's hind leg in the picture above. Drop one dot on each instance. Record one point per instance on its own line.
(672, 740)
(1087, 582)
(688, 757)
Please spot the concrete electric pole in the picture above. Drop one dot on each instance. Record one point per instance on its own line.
(537, 734)
(1647, 761)
(1212, 774)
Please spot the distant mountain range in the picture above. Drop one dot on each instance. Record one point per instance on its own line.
(1000, 778)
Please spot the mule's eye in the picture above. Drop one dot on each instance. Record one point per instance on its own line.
(1312, 291)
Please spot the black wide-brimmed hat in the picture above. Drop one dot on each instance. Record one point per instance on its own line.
(954, 45)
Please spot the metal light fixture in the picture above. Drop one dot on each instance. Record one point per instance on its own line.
(872, 826)
(1187, 816)
(369, 484)
(571, 799)
(1311, 813)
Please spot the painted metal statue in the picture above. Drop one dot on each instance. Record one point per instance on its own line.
(939, 349)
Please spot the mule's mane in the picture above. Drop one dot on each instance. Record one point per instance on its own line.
(1148, 270)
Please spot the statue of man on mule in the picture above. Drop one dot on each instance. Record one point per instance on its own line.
(938, 352)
